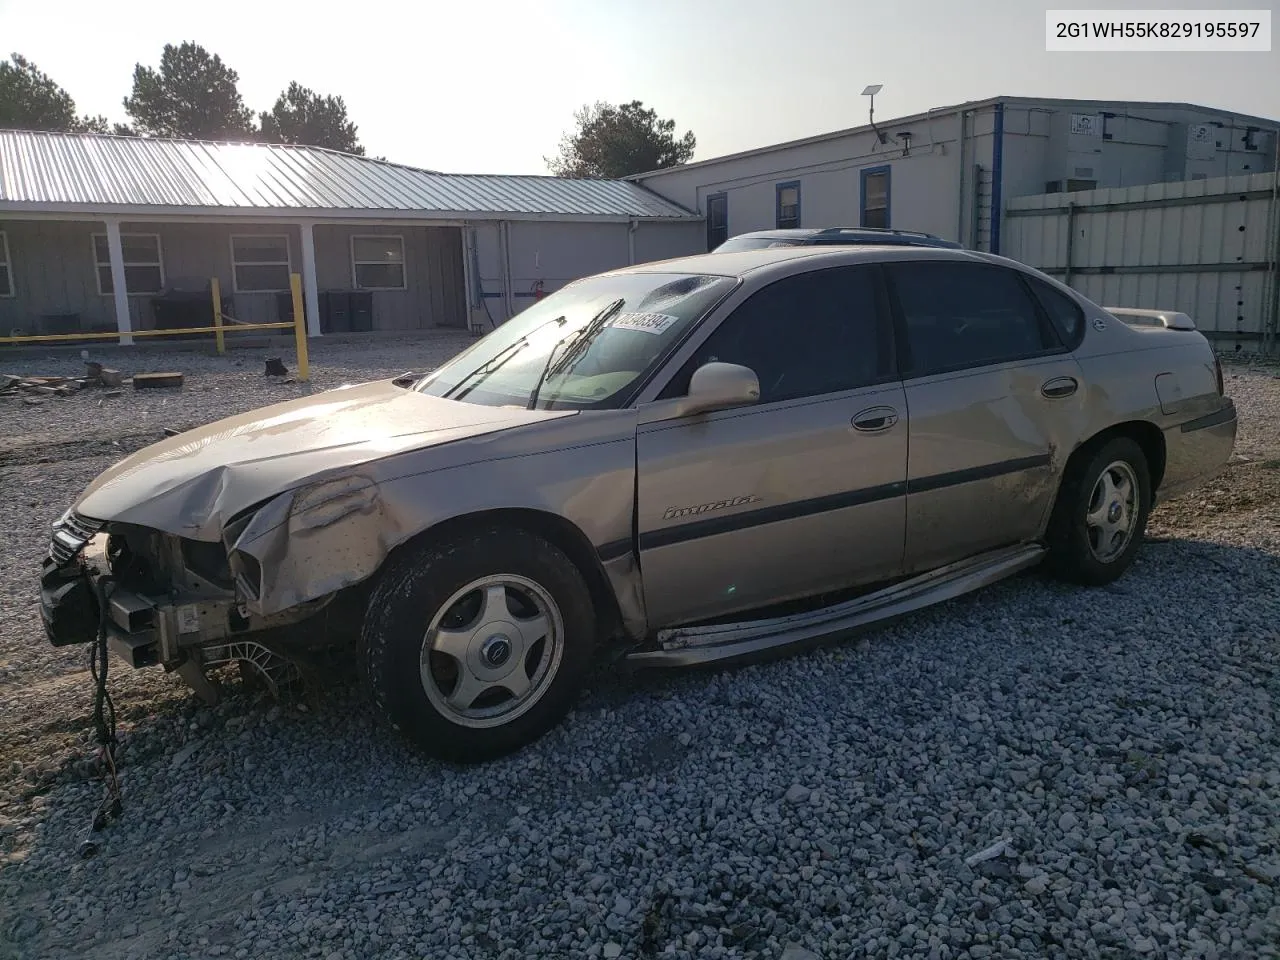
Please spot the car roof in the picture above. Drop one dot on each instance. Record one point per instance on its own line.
(740, 263)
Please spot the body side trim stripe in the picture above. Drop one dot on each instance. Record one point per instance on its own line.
(1225, 414)
(698, 529)
(985, 472)
(613, 550)
(754, 518)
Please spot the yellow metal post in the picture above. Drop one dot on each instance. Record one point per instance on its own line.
(216, 290)
(299, 327)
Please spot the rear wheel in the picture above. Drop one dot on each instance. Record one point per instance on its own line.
(477, 646)
(1101, 513)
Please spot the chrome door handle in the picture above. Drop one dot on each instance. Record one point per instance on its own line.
(875, 419)
(1059, 387)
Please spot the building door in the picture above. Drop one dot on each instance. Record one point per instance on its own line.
(717, 219)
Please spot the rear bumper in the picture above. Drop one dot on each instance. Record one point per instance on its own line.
(1198, 450)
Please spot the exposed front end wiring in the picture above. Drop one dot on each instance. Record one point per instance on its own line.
(104, 725)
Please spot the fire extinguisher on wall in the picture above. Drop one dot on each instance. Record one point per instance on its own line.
(538, 292)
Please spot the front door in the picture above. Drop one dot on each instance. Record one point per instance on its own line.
(996, 404)
(798, 494)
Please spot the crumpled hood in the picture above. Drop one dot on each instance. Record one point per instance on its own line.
(192, 483)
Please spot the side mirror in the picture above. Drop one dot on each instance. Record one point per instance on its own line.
(713, 386)
(718, 386)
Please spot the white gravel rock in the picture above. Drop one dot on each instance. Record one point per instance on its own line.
(1122, 739)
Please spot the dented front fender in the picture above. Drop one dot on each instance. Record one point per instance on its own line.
(312, 542)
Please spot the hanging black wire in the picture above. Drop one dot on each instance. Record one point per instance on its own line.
(104, 725)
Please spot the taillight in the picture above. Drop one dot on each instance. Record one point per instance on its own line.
(1217, 366)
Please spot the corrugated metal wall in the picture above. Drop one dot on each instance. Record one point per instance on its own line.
(557, 253)
(433, 275)
(1205, 247)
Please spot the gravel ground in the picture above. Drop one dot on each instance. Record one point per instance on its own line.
(1122, 740)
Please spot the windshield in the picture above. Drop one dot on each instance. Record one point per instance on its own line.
(756, 243)
(583, 347)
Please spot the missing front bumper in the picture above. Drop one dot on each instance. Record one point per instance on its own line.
(68, 604)
(164, 625)
(142, 630)
(69, 609)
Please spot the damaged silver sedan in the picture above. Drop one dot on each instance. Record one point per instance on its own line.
(685, 462)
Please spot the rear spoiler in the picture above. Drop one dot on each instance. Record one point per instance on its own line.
(1169, 319)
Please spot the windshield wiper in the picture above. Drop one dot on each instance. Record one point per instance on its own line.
(496, 361)
(578, 341)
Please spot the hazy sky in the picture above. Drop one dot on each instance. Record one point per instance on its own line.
(489, 86)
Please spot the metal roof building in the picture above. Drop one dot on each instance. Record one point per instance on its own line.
(90, 221)
(91, 173)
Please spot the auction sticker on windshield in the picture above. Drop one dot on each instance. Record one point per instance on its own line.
(645, 322)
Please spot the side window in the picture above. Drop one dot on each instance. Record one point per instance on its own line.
(1064, 313)
(805, 335)
(961, 315)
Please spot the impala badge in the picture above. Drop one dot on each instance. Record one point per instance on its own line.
(678, 513)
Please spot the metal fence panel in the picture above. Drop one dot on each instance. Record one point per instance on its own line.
(1207, 248)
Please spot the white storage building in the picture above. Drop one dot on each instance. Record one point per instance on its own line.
(1010, 175)
(945, 171)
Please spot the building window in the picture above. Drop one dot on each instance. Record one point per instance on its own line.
(875, 197)
(143, 264)
(788, 212)
(260, 263)
(717, 219)
(6, 267)
(377, 262)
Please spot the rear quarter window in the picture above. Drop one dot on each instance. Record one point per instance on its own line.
(1064, 313)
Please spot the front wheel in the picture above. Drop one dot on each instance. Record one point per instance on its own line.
(477, 646)
(1101, 514)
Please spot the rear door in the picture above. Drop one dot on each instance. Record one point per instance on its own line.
(995, 400)
(798, 494)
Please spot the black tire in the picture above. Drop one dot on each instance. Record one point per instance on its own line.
(1072, 554)
(415, 589)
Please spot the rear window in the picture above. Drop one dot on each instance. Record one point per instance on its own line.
(960, 315)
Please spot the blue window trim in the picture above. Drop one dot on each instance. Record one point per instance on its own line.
(997, 178)
(887, 170)
(721, 195)
(777, 203)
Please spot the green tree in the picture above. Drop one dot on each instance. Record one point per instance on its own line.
(31, 100)
(617, 141)
(302, 116)
(193, 96)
